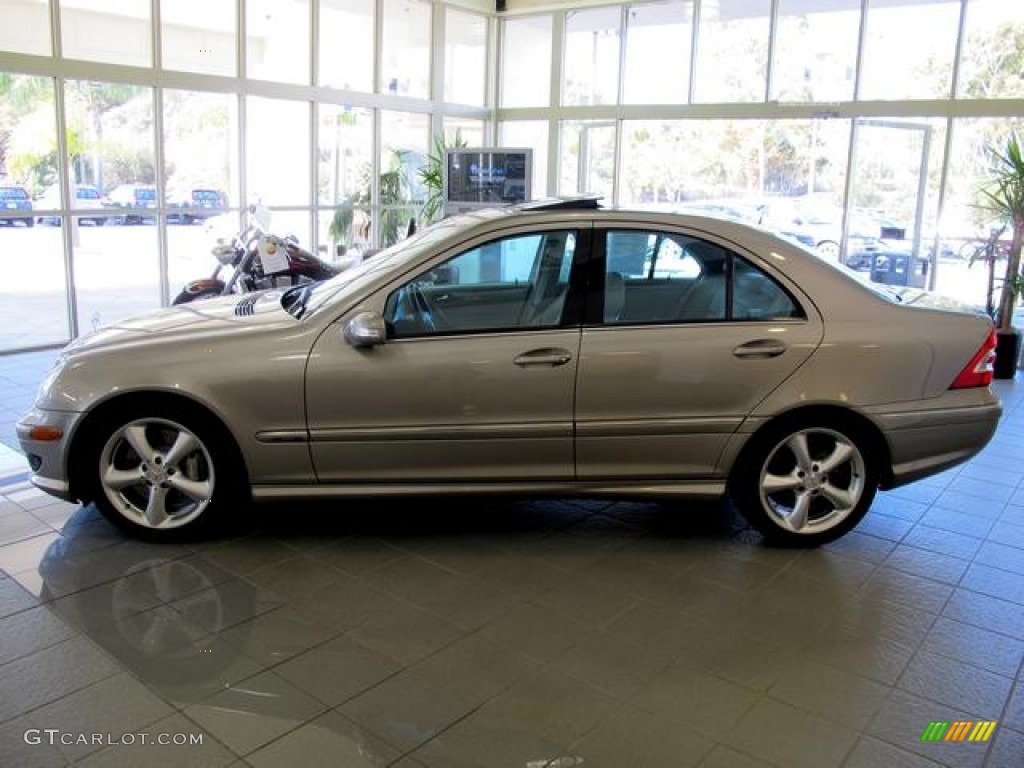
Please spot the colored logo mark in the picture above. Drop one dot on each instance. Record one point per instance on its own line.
(958, 730)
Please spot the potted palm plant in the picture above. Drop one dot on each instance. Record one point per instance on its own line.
(432, 176)
(1002, 195)
(340, 229)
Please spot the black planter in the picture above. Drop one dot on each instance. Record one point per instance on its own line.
(1007, 354)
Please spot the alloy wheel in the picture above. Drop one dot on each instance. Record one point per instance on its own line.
(157, 473)
(812, 481)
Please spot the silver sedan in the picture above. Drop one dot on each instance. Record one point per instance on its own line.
(553, 348)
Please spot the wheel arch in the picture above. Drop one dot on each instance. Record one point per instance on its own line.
(824, 414)
(104, 412)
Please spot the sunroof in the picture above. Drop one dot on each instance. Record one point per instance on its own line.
(568, 202)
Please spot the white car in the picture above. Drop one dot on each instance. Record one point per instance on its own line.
(87, 198)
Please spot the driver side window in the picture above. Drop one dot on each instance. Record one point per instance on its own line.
(514, 283)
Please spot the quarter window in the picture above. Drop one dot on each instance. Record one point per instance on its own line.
(515, 283)
(657, 277)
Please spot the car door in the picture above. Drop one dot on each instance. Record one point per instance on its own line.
(475, 381)
(689, 338)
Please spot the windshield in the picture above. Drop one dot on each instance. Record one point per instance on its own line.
(307, 300)
(13, 193)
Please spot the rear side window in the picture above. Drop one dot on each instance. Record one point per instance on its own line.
(661, 278)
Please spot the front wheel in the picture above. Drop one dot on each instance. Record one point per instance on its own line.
(160, 476)
(805, 485)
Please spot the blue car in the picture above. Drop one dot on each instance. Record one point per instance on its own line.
(15, 199)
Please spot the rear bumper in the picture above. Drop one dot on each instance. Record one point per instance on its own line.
(925, 442)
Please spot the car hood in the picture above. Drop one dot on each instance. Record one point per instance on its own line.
(228, 314)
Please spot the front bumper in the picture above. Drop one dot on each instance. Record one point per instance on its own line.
(49, 458)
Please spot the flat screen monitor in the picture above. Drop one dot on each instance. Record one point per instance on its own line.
(486, 177)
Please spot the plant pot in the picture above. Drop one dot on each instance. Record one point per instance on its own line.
(1007, 353)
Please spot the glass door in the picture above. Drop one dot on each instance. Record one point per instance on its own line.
(888, 191)
(588, 158)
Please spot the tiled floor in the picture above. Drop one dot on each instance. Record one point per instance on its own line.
(528, 634)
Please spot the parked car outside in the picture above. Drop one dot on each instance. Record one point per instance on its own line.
(198, 205)
(15, 198)
(137, 198)
(536, 349)
(87, 198)
(820, 228)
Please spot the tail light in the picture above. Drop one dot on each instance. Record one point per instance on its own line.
(978, 372)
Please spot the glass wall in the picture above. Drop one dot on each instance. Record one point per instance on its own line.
(405, 60)
(33, 293)
(990, 65)
(344, 171)
(124, 183)
(658, 39)
(526, 61)
(925, 68)
(591, 66)
(90, 31)
(201, 179)
(111, 140)
(346, 44)
(25, 27)
(405, 144)
(277, 40)
(199, 36)
(587, 158)
(732, 51)
(816, 52)
(825, 120)
(465, 57)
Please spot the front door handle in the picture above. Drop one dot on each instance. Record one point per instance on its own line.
(553, 356)
(760, 348)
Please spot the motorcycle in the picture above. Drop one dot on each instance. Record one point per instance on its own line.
(256, 260)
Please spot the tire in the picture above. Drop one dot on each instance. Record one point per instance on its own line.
(30, 223)
(803, 484)
(185, 297)
(164, 472)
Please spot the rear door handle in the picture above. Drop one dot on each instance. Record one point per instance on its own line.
(553, 356)
(760, 348)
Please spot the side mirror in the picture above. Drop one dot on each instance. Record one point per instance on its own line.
(367, 329)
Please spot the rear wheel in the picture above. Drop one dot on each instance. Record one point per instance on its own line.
(162, 472)
(805, 484)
